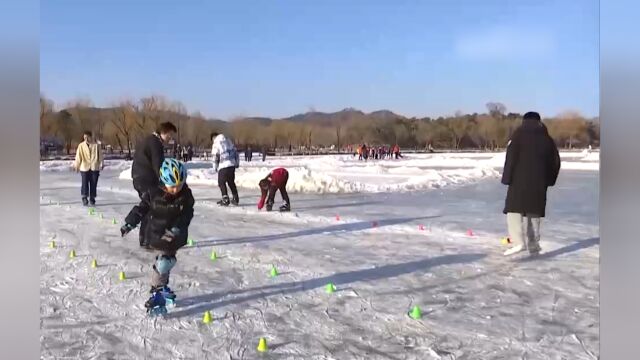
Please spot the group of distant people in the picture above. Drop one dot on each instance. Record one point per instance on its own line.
(183, 152)
(377, 153)
(248, 153)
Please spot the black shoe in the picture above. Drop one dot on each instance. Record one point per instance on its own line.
(85, 202)
(224, 202)
(125, 229)
(92, 202)
(269, 207)
(235, 202)
(285, 207)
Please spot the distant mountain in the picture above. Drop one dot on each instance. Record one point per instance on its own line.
(385, 115)
(259, 120)
(324, 119)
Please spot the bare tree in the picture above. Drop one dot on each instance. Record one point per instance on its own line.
(78, 109)
(496, 109)
(178, 116)
(46, 108)
(458, 128)
(67, 128)
(124, 122)
(151, 109)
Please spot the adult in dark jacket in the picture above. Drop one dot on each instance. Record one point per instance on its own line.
(147, 160)
(532, 164)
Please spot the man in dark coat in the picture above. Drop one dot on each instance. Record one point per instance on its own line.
(532, 165)
(145, 172)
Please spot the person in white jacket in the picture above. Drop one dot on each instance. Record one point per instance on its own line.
(226, 160)
(89, 161)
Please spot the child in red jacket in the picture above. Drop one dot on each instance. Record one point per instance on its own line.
(276, 180)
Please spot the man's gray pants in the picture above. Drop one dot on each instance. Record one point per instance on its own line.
(517, 231)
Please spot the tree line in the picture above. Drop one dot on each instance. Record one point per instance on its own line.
(123, 123)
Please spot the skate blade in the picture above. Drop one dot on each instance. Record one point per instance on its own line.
(157, 311)
(170, 303)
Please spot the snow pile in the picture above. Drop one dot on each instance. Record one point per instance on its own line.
(591, 156)
(65, 165)
(570, 161)
(345, 174)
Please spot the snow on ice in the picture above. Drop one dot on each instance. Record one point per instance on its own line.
(476, 304)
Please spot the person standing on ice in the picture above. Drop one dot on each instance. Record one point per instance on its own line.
(276, 180)
(147, 160)
(532, 164)
(226, 160)
(170, 214)
(89, 161)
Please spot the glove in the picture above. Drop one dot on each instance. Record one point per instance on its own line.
(170, 235)
(126, 228)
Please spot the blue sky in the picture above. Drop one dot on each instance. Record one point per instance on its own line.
(279, 58)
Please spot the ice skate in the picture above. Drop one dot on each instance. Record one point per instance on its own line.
(514, 250)
(224, 202)
(161, 298)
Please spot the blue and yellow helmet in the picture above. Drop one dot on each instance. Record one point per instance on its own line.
(172, 172)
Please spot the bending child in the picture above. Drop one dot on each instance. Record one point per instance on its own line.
(275, 180)
(170, 213)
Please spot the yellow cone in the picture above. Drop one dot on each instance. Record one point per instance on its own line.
(214, 255)
(206, 319)
(52, 244)
(72, 254)
(121, 276)
(262, 345)
(94, 263)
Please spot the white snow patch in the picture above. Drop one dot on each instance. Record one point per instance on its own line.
(65, 165)
(346, 174)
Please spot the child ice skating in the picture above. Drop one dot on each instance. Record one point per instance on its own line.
(170, 213)
(275, 180)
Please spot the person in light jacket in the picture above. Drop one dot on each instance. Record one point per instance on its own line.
(89, 161)
(226, 160)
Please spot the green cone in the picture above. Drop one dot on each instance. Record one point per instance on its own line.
(190, 242)
(415, 313)
(273, 272)
(330, 288)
